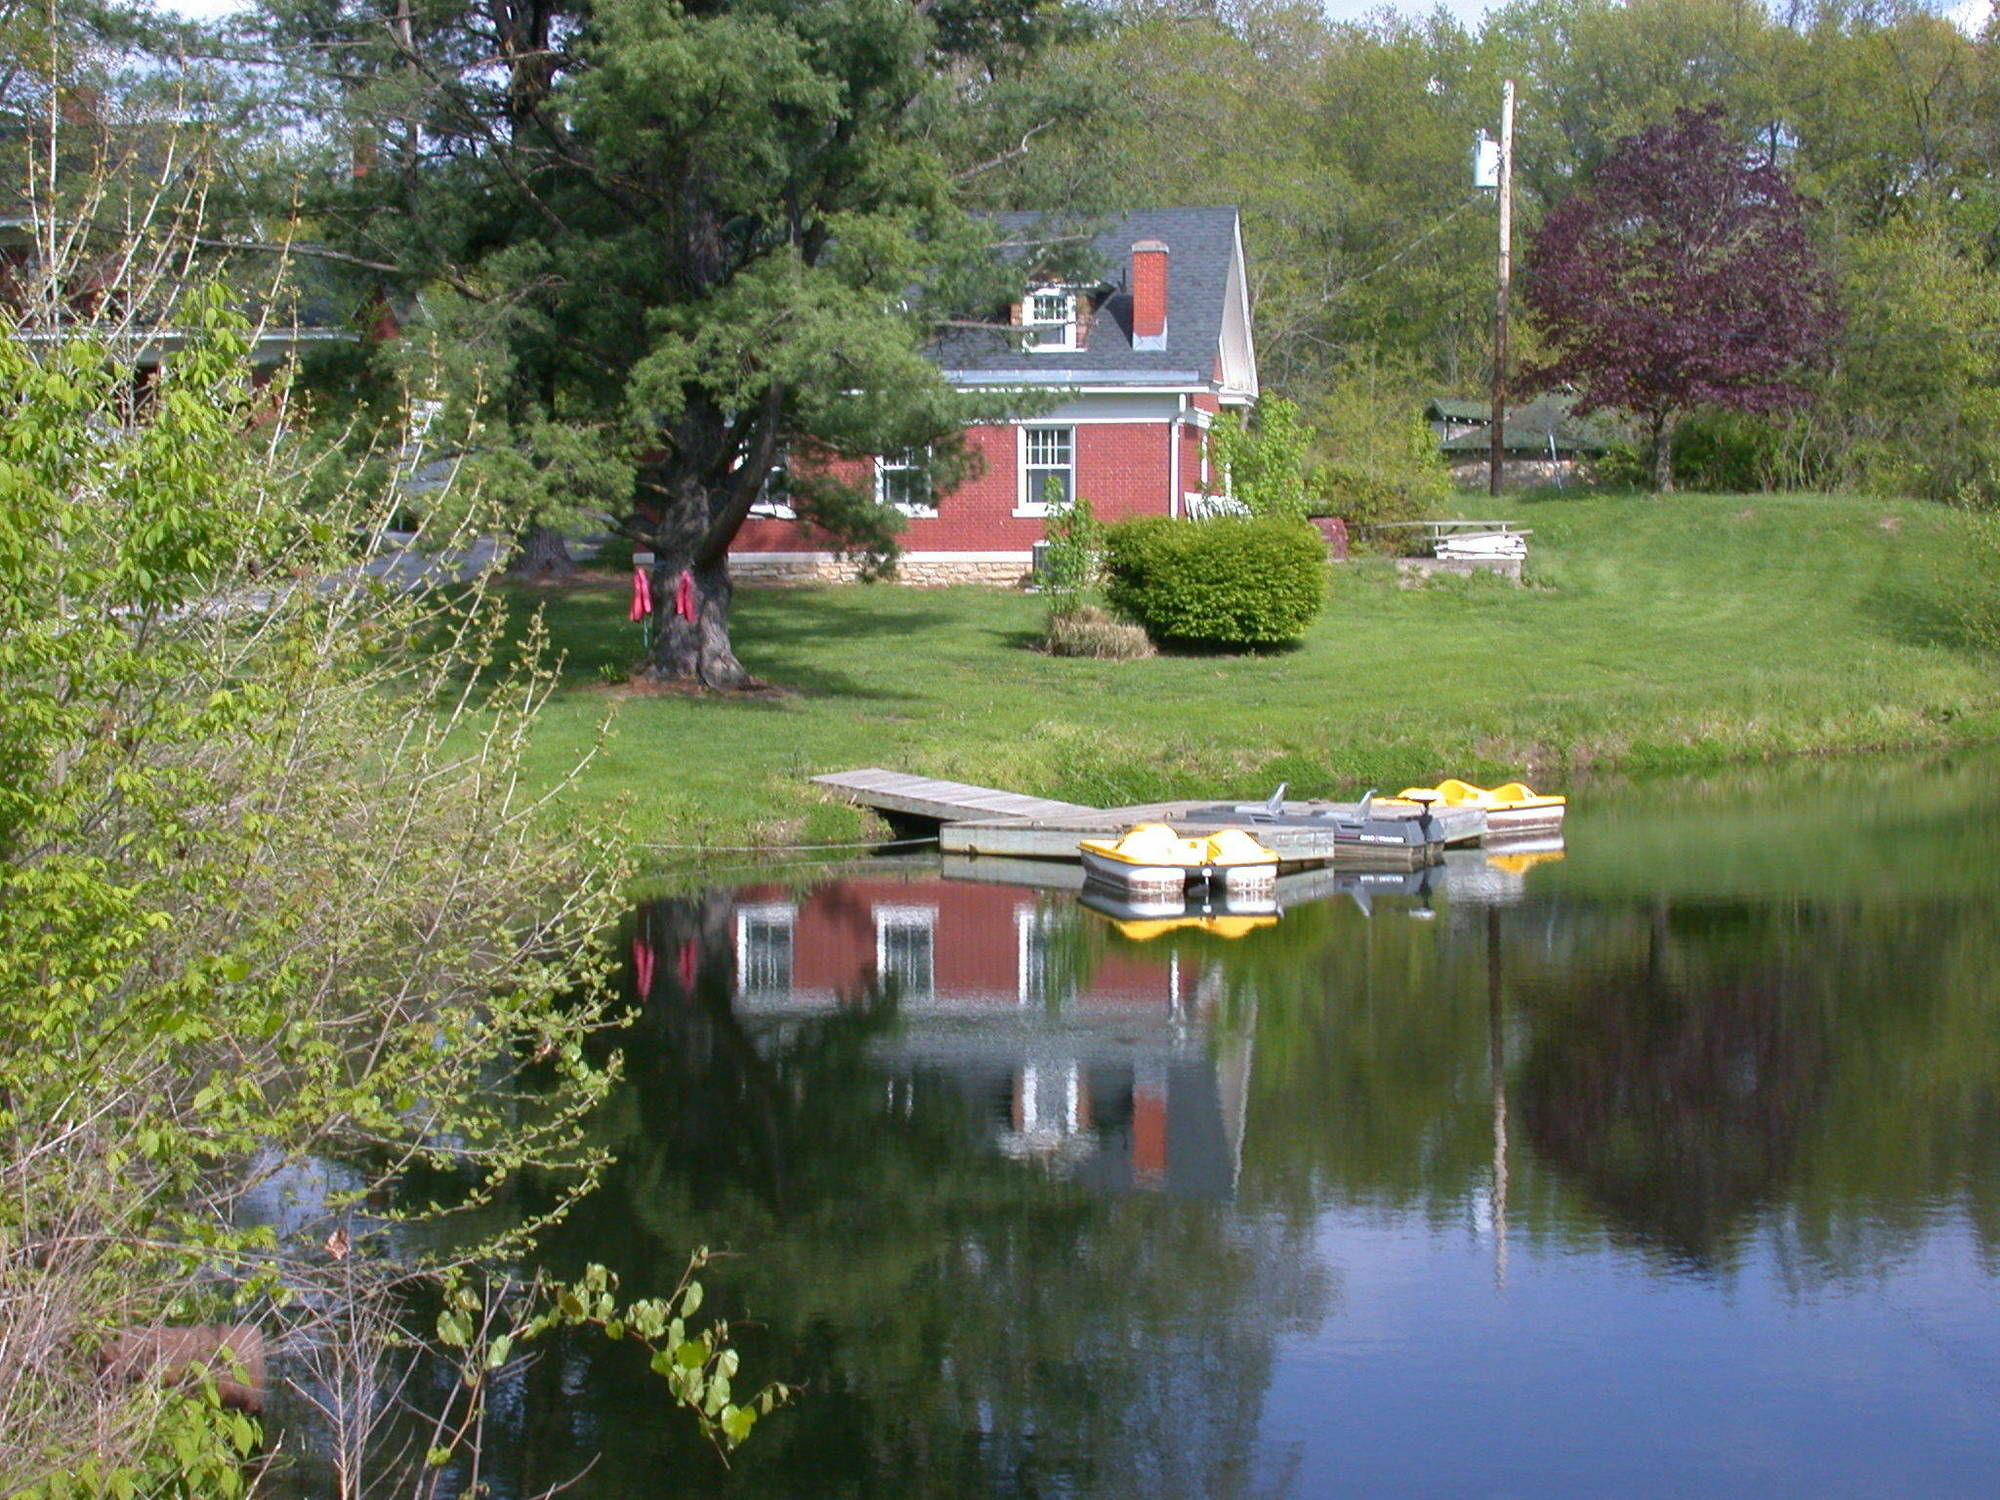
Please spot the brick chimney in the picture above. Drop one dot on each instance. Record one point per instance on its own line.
(1149, 295)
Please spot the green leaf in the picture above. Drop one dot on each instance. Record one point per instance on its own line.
(454, 1329)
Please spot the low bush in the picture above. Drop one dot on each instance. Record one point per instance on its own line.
(1235, 581)
(1089, 631)
(1365, 496)
(613, 555)
(1728, 453)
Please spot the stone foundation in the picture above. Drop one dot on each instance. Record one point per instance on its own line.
(927, 572)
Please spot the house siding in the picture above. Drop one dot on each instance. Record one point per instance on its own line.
(1123, 462)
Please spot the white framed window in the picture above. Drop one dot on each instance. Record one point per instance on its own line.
(904, 481)
(1047, 453)
(1049, 317)
(905, 951)
(764, 950)
(774, 500)
(1041, 977)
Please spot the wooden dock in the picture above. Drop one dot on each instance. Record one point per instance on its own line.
(976, 820)
(943, 801)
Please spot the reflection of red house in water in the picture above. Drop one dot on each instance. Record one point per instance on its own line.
(1093, 1055)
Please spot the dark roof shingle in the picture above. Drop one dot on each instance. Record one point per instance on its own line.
(1201, 243)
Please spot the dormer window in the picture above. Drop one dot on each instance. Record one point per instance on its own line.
(1049, 317)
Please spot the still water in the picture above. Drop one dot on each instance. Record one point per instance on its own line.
(1668, 1165)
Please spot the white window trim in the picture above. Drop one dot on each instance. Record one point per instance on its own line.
(883, 468)
(775, 914)
(889, 917)
(1039, 339)
(1030, 502)
(1032, 924)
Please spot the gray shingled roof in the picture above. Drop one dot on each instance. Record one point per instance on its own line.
(1200, 245)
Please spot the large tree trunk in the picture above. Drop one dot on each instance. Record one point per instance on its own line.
(689, 533)
(541, 555)
(1663, 453)
(693, 652)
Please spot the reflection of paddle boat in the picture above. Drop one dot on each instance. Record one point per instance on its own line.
(1200, 911)
(1228, 926)
(1520, 858)
(1151, 861)
(1511, 810)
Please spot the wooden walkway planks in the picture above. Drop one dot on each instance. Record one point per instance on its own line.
(946, 801)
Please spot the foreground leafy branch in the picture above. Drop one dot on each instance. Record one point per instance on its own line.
(279, 927)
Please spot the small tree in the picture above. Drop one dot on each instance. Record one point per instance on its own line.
(1681, 277)
(1075, 537)
(1262, 463)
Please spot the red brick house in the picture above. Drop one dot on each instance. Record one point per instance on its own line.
(1141, 359)
(1123, 1076)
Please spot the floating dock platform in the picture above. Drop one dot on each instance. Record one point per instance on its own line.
(977, 820)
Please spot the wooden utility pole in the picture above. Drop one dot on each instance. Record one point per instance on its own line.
(1498, 426)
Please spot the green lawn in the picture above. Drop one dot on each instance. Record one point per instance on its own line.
(1654, 634)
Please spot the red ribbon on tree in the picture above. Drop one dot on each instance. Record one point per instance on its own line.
(642, 966)
(642, 595)
(684, 595)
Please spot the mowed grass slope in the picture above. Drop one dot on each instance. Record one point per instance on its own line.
(1654, 633)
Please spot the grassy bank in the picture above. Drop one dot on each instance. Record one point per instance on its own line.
(1654, 634)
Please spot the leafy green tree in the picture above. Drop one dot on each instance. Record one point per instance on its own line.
(714, 237)
(1913, 403)
(1375, 458)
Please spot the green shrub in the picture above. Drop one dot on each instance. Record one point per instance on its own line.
(1368, 497)
(1727, 453)
(614, 555)
(1626, 467)
(1236, 580)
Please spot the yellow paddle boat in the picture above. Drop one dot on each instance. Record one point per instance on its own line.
(1152, 861)
(1511, 810)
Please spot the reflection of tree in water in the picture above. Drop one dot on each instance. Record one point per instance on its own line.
(1675, 1092)
(962, 1324)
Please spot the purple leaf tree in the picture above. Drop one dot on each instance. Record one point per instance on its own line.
(1680, 277)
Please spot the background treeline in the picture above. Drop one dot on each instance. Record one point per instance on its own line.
(1348, 147)
(369, 139)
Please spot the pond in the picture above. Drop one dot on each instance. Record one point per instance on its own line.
(1668, 1164)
